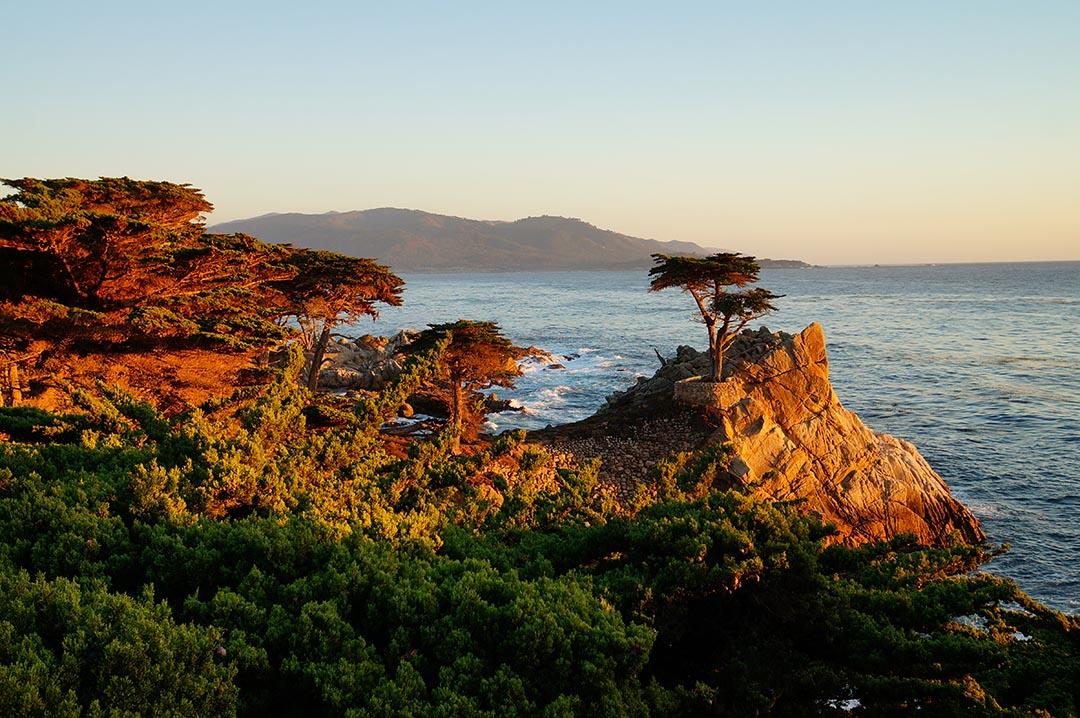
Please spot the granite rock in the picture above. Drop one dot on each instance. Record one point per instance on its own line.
(793, 440)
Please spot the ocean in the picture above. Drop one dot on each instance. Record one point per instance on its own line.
(978, 365)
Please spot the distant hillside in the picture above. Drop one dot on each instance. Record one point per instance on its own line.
(410, 240)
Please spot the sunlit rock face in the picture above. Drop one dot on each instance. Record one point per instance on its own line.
(793, 439)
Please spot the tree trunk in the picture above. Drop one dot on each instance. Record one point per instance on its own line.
(718, 362)
(455, 416)
(16, 387)
(716, 354)
(318, 352)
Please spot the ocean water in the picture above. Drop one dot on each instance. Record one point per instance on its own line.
(978, 365)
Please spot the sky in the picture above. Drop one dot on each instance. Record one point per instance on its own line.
(834, 132)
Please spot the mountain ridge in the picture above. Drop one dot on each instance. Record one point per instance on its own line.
(415, 240)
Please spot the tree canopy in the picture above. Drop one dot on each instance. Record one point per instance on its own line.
(121, 263)
(703, 275)
(330, 288)
(101, 243)
(115, 260)
(476, 356)
(724, 312)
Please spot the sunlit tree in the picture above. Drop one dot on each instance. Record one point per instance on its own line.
(329, 289)
(724, 312)
(116, 260)
(476, 356)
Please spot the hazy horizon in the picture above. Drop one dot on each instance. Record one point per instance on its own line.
(837, 133)
(211, 222)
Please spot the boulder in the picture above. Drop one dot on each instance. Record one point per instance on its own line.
(399, 340)
(370, 341)
(339, 377)
(369, 362)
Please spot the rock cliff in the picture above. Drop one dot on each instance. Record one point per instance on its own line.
(792, 440)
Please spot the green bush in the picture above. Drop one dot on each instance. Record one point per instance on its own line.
(242, 562)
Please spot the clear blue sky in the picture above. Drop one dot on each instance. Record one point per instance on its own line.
(835, 132)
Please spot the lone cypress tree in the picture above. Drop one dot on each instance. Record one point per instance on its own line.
(707, 279)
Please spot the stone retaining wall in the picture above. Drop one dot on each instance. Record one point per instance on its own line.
(697, 392)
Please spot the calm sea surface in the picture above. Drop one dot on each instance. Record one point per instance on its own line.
(978, 365)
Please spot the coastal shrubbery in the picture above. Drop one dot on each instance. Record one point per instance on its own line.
(246, 563)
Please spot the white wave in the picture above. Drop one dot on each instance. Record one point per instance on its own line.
(985, 510)
(408, 420)
(557, 392)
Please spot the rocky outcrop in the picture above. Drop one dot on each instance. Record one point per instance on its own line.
(792, 439)
(371, 362)
(367, 362)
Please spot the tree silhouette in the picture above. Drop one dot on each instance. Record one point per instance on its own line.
(725, 313)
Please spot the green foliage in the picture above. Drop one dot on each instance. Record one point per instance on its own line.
(71, 648)
(242, 562)
(684, 476)
(159, 321)
(702, 273)
(725, 312)
(736, 309)
(471, 356)
(26, 423)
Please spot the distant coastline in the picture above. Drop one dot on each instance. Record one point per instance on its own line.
(422, 242)
(636, 267)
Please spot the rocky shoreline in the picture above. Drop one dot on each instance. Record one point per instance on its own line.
(792, 439)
